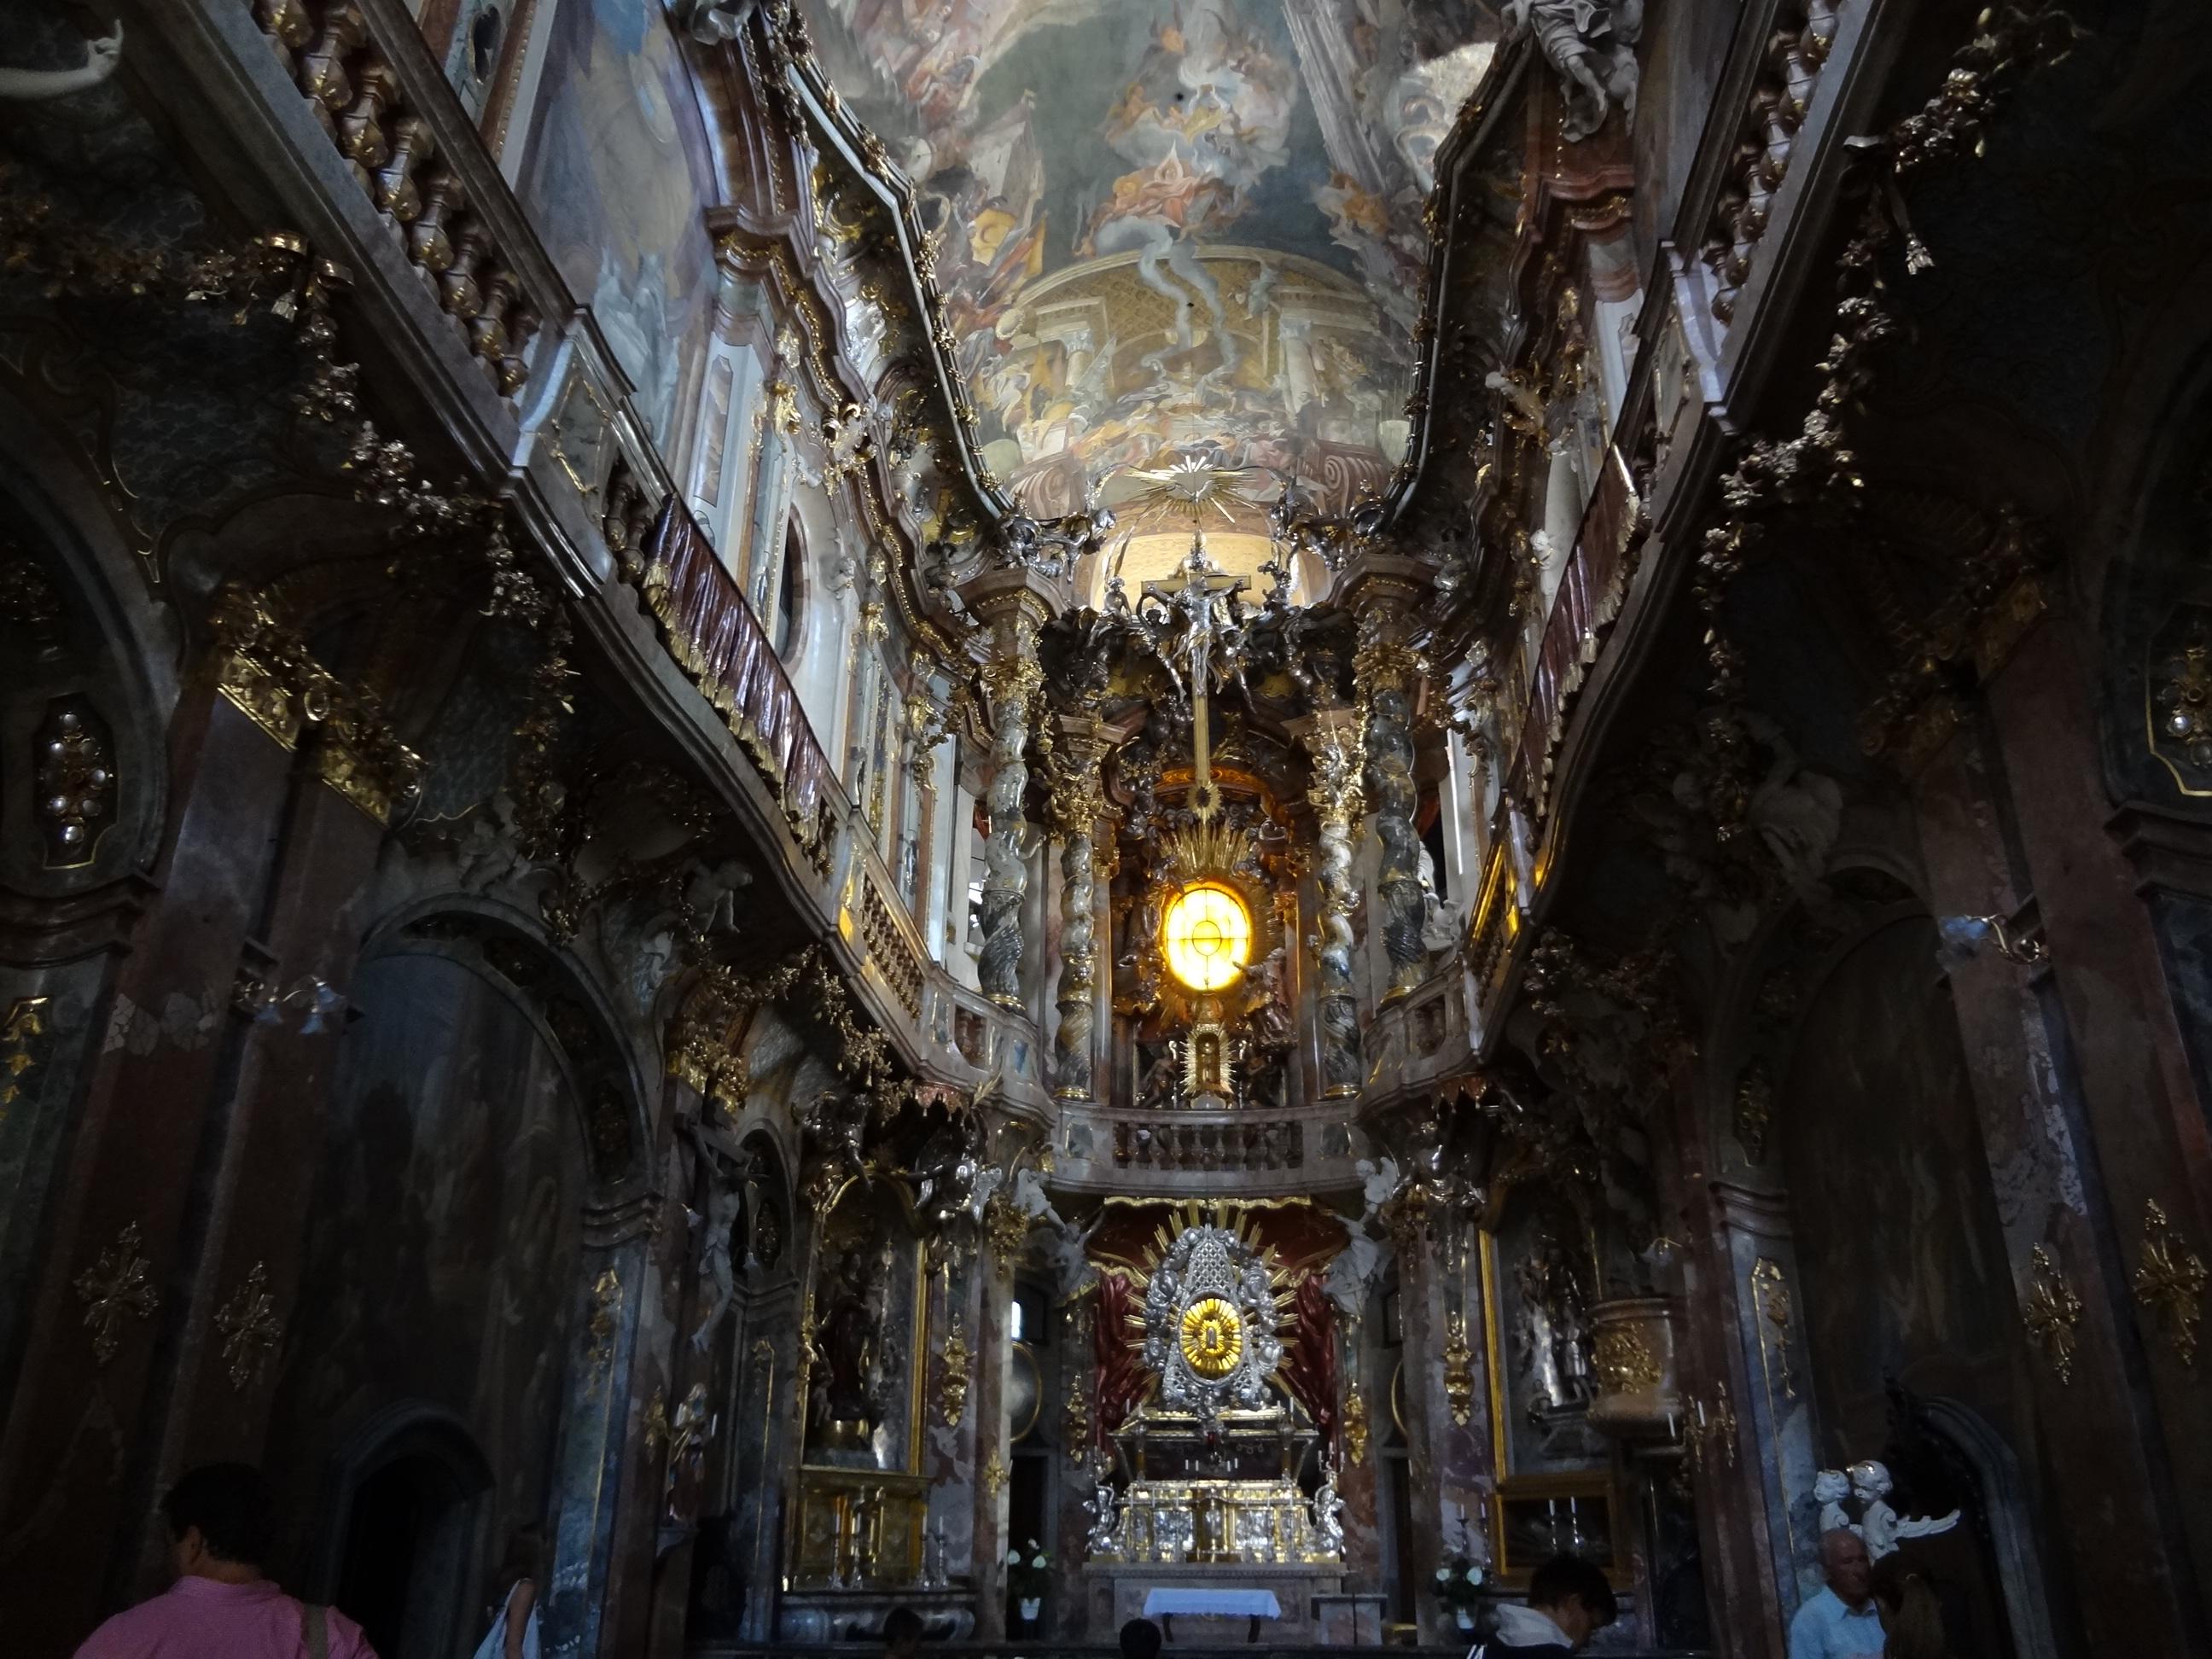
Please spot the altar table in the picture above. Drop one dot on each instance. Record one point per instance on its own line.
(1161, 1601)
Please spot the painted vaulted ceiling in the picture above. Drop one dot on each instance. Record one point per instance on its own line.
(1170, 228)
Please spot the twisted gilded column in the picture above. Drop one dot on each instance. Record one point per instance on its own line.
(1333, 748)
(1387, 672)
(1011, 680)
(1079, 800)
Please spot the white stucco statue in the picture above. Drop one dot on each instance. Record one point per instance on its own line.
(100, 57)
(1591, 46)
(1830, 1488)
(1881, 1525)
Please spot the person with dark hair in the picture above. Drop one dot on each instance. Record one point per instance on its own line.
(1911, 1616)
(1142, 1639)
(1569, 1601)
(514, 1634)
(222, 1526)
(901, 1633)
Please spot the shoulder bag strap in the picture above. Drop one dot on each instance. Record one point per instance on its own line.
(314, 1630)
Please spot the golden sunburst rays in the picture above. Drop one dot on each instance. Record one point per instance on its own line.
(1192, 490)
(1233, 1219)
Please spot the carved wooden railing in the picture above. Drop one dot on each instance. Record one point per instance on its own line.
(371, 84)
(1797, 47)
(1210, 1145)
(710, 629)
(1590, 591)
(889, 935)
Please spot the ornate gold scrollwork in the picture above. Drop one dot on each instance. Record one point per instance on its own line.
(1075, 1422)
(25, 1021)
(264, 670)
(952, 1387)
(2169, 1282)
(1355, 1424)
(1624, 1364)
(994, 1474)
(2049, 1311)
(1007, 1228)
(1459, 1370)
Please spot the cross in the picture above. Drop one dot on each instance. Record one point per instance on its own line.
(1201, 597)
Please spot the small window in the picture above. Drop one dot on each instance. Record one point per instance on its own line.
(786, 593)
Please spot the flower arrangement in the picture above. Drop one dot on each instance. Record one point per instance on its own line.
(1458, 1584)
(1029, 1573)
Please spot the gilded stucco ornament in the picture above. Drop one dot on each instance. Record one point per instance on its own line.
(22, 1026)
(1459, 1370)
(2169, 1281)
(952, 1385)
(1355, 1424)
(250, 1328)
(2049, 1312)
(117, 1285)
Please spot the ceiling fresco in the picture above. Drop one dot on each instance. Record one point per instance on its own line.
(1170, 229)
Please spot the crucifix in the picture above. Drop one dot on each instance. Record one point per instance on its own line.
(1203, 598)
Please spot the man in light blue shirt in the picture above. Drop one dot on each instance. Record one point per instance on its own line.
(1840, 1621)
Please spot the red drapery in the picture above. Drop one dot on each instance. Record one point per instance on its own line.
(1118, 1378)
(1308, 1368)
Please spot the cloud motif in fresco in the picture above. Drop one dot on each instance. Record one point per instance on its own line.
(1169, 226)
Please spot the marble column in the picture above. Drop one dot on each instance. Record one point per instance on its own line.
(1078, 801)
(1011, 678)
(994, 1354)
(603, 1417)
(1387, 673)
(1355, 1480)
(1445, 1400)
(1334, 793)
(1771, 1422)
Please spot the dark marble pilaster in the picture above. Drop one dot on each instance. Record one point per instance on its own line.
(603, 1422)
(2100, 1436)
(74, 1498)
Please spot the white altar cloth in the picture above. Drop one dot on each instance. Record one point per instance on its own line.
(1161, 1601)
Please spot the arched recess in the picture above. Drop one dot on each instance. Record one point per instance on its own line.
(482, 1111)
(2154, 683)
(1898, 1288)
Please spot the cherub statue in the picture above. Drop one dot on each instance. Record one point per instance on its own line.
(1830, 1488)
(1881, 1525)
(1104, 1504)
(1329, 1515)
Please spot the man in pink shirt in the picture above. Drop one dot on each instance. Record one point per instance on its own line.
(223, 1525)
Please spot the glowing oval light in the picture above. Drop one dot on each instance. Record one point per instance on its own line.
(1208, 936)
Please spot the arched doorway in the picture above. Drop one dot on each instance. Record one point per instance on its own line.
(411, 1505)
(445, 1278)
(1906, 1292)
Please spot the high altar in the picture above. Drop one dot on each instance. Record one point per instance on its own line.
(1218, 1498)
